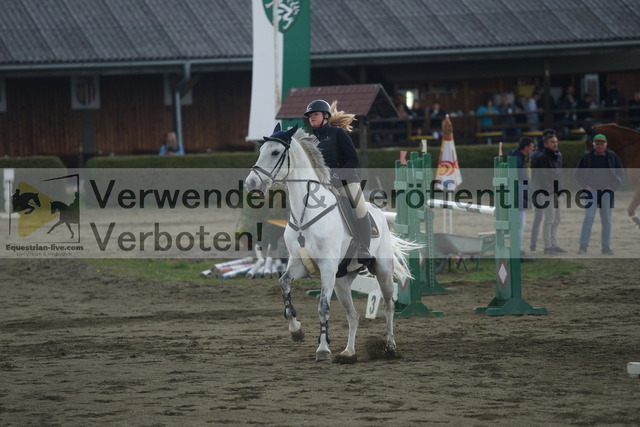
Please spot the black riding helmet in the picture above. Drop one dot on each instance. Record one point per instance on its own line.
(318, 105)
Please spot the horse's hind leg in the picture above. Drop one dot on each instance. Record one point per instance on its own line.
(385, 280)
(295, 270)
(69, 227)
(343, 292)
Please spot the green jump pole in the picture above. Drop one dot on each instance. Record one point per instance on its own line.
(508, 299)
(407, 224)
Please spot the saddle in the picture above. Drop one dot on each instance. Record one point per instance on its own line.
(349, 217)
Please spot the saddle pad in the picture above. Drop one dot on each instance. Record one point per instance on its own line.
(349, 216)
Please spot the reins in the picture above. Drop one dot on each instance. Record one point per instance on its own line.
(296, 225)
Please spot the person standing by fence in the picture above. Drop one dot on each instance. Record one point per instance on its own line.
(599, 173)
(531, 108)
(547, 183)
(537, 219)
(525, 148)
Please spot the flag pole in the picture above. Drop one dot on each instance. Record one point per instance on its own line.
(448, 176)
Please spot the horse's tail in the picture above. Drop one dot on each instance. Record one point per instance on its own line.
(401, 249)
(340, 118)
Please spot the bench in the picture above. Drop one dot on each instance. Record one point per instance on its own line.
(489, 135)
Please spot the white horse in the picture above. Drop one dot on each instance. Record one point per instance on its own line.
(317, 238)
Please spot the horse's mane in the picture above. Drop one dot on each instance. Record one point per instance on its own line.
(340, 118)
(309, 142)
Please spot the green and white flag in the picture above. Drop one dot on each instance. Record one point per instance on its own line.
(281, 59)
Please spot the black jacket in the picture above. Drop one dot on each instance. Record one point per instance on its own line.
(589, 173)
(547, 171)
(339, 153)
(523, 178)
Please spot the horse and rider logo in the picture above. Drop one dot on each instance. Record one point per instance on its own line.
(288, 12)
(36, 209)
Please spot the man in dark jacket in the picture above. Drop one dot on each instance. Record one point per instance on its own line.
(537, 219)
(599, 173)
(547, 184)
(614, 99)
(525, 148)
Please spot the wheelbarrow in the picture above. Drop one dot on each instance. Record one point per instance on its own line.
(448, 246)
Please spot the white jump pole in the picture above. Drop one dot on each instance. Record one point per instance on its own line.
(459, 206)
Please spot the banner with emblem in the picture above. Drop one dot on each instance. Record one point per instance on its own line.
(448, 176)
(281, 58)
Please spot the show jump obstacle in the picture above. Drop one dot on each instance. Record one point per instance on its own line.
(414, 221)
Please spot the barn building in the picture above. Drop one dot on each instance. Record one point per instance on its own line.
(80, 78)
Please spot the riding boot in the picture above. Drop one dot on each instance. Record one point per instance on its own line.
(363, 239)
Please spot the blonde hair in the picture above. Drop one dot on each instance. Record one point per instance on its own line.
(340, 118)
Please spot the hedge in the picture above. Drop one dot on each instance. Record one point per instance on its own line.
(216, 160)
(469, 156)
(40, 162)
(473, 156)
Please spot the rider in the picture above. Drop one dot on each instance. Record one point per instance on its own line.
(341, 157)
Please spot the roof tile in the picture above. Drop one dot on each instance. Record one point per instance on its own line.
(68, 31)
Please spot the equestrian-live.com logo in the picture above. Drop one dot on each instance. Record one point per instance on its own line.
(46, 211)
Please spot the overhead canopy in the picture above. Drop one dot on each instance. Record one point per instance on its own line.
(361, 100)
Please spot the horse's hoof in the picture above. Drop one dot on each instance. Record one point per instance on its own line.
(345, 359)
(380, 349)
(298, 335)
(323, 355)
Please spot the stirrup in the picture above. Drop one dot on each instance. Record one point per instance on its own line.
(364, 256)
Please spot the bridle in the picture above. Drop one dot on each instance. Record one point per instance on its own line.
(294, 223)
(276, 168)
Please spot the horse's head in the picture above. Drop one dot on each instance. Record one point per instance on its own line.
(273, 162)
(54, 208)
(36, 199)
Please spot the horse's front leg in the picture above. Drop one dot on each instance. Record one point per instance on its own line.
(295, 270)
(54, 226)
(327, 277)
(343, 292)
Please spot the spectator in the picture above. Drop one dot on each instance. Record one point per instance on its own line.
(614, 99)
(584, 106)
(520, 101)
(419, 115)
(531, 108)
(547, 194)
(508, 110)
(525, 148)
(599, 173)
(537, 219)
(485, 112)
(401, 125)
(170, 145)
(567, 105)
(436, 114)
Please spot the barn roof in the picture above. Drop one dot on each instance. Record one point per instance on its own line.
(361, 100)
(91, 33)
